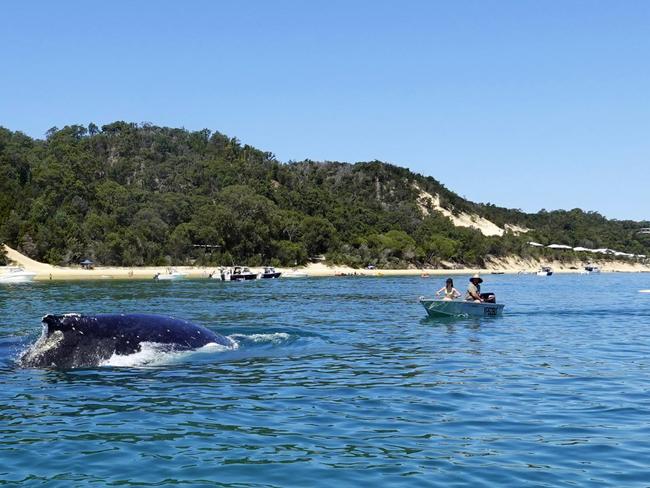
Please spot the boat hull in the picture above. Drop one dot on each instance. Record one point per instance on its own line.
(169, 277)
(457, 308)
(269, 276)
(17, 278)
(243, 277)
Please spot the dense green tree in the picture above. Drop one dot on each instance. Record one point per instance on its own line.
(318, 234)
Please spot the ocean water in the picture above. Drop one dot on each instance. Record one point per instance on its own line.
(339, 382)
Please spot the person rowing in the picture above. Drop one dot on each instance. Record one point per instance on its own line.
(448, 290)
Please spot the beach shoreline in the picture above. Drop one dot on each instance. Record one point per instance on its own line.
(512, 265)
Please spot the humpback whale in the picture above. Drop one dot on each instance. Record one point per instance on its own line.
(81, 341)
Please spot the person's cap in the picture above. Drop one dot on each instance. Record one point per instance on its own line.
(476, 277)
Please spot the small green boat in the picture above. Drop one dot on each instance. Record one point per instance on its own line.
(460, 308)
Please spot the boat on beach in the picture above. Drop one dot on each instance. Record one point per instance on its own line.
(437, 307)
(171, 274)
(591, 269)
(545, 271)
(236, 273)
(294, 273)
(16, 274)
(270, 273)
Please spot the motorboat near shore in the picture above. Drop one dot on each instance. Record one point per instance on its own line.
(545, 271)
(15, 274)
(170, 274)
(436, 307)
(243, 273)
(270, 273)
(295, 274)
(236, 273)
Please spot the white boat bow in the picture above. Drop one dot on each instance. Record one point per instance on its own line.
(295, 274)
(170, 275)
(15, 274)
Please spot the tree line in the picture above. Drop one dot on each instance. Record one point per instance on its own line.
(136, 194)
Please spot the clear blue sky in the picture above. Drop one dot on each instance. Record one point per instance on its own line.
(526, 104)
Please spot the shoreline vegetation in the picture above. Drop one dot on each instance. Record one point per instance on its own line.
(139, 199)
(512, 265)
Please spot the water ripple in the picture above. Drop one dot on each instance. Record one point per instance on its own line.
(340, 381)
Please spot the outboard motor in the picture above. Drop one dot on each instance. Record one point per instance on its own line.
(488, 297)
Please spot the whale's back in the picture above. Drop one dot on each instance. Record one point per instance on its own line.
(74, 340)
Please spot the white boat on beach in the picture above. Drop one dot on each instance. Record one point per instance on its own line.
(295, 274)
(15, 274)
(437, 307)
(171, 274)
(545, 271)
(592, 269)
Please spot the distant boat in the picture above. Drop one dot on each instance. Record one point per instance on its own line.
(644, 291)
(295, 274)
(592, 269)
(460, 308)
(171, 274)
(237, 273)
(270, 273)
(15, 274)
(545, 271)
(242, 273)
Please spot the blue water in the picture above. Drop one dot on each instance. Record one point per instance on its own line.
(340, 382)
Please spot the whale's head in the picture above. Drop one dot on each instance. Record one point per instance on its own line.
(61, 322)
(65, 343)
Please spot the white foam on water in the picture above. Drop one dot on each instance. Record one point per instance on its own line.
(42, 345)
(214, 347)
(150, 353)
(274, 338)
(644, 291)
(154, 354)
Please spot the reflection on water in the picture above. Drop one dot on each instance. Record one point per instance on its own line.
(340, 381)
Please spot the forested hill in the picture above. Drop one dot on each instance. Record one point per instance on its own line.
(129, 194)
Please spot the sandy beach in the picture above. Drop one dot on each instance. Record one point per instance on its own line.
(510, 265)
